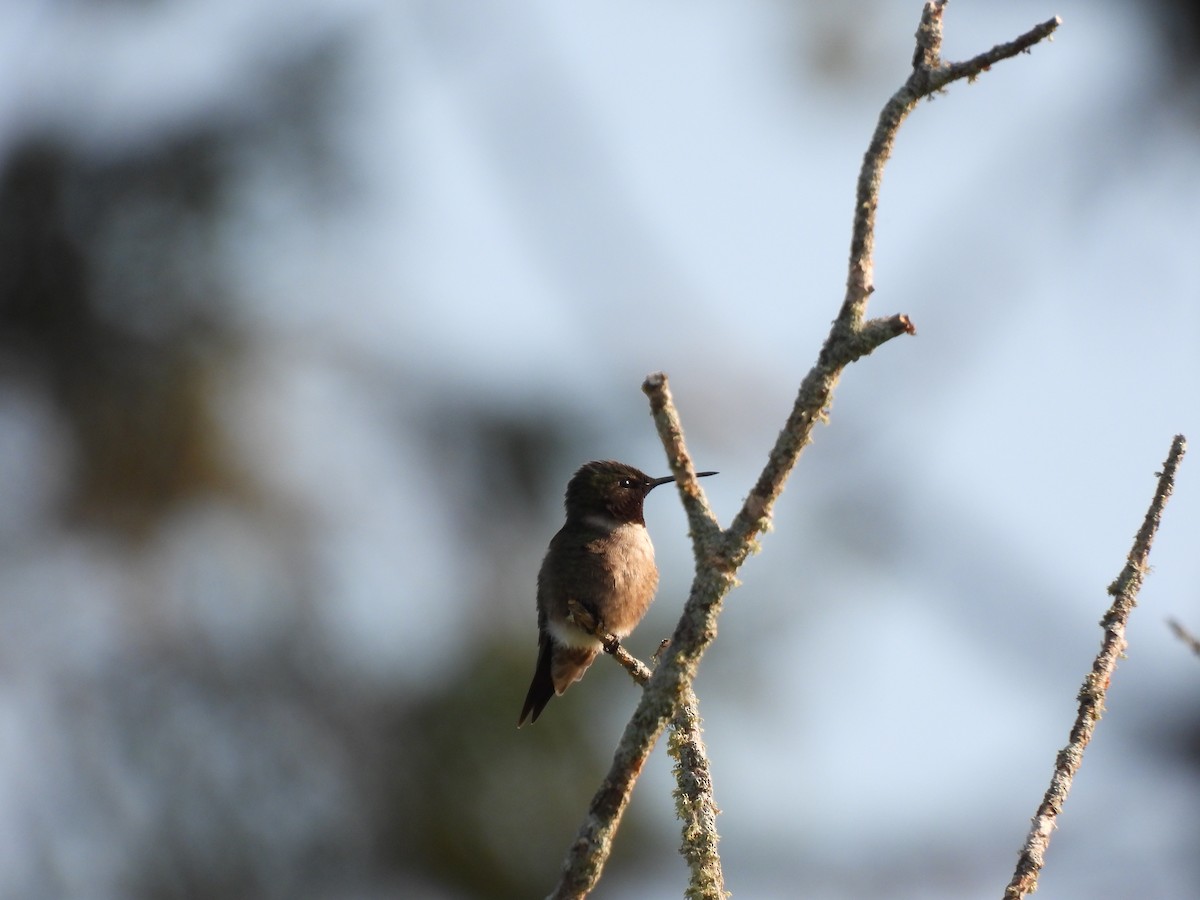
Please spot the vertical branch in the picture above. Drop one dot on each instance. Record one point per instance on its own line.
(1095, 686)
(694, 801)
(702, 523)
(695, 804)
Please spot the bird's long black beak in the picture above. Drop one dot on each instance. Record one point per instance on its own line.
(655, 482)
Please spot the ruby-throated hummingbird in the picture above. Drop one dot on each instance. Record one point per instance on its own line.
(603, 559)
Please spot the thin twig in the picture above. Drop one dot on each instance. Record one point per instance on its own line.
(1095, 686)
(1184, 635)
(638, 670)
(972, 68)
(718, 553)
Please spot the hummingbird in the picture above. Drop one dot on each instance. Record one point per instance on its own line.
(603, 559)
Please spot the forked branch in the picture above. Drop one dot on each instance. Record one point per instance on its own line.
(719, 553)
(694, 802)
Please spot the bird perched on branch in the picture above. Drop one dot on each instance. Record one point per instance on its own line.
(603, 559)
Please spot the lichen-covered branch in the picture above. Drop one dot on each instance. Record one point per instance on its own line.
(694, 801)
(852, 336)
(1095, 686)
(695, 804)
(719, 553)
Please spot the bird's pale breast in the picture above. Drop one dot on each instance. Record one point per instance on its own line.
(630, 558)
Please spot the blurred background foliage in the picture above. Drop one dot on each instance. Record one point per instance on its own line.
(219, 489)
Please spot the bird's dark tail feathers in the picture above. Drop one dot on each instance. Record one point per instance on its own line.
(541, 689)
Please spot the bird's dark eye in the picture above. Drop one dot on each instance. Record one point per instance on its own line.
(626, 482)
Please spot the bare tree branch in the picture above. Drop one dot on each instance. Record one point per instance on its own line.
(852, 337)
(719, 553)
(1095, 686)
(694, 802)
